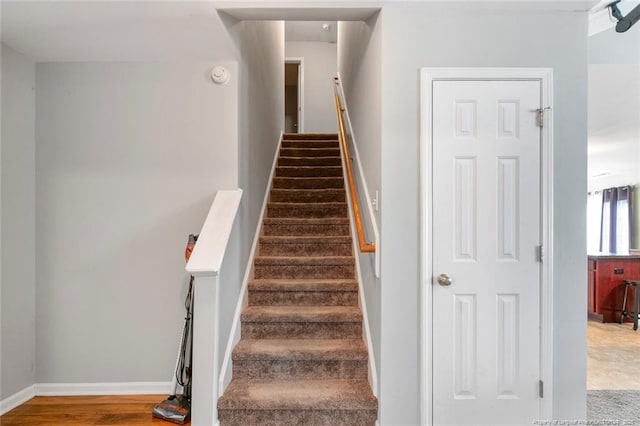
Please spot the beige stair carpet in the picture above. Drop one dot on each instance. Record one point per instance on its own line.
(302, 359)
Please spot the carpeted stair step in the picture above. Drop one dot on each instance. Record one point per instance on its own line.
(304, 227)
(308, 292)
(310, 267)
(311, 210)
(310, 152)
(308, 183)
(301, 322)
(317, 143)
(310, 136)
(307, 171)
(308, 195)
(305, 246)
(300, 359)
(298, 402)
(309, 161)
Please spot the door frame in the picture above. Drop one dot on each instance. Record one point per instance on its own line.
(300, 62)
(427, 77)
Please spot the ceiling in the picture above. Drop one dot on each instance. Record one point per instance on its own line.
(115, 30)
(311, 31)
(149, 30)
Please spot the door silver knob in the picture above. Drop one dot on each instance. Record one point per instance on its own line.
(444, 279)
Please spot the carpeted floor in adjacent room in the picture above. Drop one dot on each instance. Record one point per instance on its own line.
(613, 373)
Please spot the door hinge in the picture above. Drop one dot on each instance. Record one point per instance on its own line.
(541, 388)
(540, 253)
(540, 112)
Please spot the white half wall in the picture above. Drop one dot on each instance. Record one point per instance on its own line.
(416, 36)
(18, 353)
(128, 159)
(320, 67)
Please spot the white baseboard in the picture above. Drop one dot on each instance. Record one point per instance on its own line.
(125, 388)
(18, 398)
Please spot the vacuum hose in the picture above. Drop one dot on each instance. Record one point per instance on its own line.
(183, 371)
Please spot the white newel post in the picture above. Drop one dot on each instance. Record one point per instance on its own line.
(205, 264)
(204, 399)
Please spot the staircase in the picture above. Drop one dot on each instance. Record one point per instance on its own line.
(302, 359)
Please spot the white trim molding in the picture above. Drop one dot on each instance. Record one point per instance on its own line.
(123, 388)
(17, 399)
(427, 77)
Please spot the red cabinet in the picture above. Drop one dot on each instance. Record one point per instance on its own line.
(605, 290)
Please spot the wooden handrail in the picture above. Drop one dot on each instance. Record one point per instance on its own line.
(365, 247)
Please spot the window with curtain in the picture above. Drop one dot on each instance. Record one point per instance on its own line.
(609, 220)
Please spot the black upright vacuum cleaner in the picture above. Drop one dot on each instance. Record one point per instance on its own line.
(177, 407)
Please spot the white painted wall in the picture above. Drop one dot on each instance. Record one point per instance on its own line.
(610, 47)
(359, 64)
(421, 36)
(614, 101)
(614, 125)
(18, 353)
(614, 121)
(260, 52)
(128, 158)
(320, 67)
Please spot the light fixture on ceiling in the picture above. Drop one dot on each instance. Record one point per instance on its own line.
(624, 21)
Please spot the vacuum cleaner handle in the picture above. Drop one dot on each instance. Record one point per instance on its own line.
(191, 243)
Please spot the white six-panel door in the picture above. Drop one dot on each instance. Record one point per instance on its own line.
(486, 221)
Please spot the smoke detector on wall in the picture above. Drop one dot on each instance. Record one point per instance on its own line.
(220, 75)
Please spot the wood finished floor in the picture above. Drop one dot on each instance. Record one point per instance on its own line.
(86, 410)
(611, 364)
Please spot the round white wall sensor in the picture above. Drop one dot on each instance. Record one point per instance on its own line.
(220, 75)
